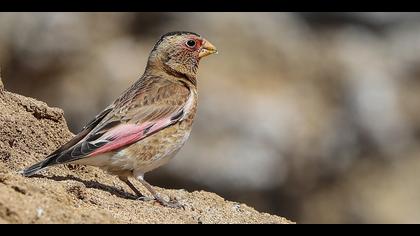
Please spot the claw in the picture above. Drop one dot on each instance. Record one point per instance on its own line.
(172, 203)
(145, 199)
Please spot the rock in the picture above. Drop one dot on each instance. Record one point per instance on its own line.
(30, 130)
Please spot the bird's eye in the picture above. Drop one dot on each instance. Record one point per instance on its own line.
(190, 43)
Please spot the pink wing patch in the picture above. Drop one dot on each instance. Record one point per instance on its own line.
(126, 134)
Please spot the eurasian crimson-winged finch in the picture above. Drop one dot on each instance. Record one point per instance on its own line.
(146, 125)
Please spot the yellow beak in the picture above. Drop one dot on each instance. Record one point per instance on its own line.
(207, 49)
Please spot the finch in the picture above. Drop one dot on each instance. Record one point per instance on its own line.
(145, 126)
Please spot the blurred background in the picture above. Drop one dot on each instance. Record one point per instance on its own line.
(311, 116)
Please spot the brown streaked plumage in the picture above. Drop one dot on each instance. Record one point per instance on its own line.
(147, 125)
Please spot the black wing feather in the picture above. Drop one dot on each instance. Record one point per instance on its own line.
(62, 154)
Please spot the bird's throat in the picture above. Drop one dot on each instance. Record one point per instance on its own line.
(190, 78)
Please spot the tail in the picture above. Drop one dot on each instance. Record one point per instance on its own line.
(38, 166)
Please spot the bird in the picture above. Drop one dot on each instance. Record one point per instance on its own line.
(148, 123)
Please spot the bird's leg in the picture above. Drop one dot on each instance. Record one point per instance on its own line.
(135, 190)
(172, 203)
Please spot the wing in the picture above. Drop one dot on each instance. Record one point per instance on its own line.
(136, 115)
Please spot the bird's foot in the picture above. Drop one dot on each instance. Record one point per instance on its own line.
(172, 203)
(145, 199)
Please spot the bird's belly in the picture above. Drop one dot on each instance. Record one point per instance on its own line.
(153, 151)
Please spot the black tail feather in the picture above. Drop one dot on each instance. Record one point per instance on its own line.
(38, 167)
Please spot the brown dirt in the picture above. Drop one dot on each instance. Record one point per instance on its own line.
(30, 130)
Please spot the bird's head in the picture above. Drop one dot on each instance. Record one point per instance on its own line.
(180, 52)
